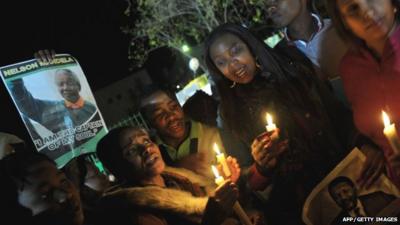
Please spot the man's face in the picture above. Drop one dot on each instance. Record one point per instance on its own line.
(345, 196)
(143, 154)
(284, 12)
(47, 190)
(166, 116)
(68, 87)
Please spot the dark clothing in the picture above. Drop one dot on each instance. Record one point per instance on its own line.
(319, 134)
(319, 129)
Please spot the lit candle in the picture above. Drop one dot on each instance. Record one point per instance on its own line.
(271, 127)
(390, 133)
(218, 179)
(221, 160)
(236, 207)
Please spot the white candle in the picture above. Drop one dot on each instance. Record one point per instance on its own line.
(390, 133)
(221, 160)
(218, 179)
(236, 207)
(271, 127)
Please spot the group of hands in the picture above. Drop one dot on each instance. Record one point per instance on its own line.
(267, 151)
(227, 193)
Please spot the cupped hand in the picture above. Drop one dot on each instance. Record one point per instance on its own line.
(266, 151)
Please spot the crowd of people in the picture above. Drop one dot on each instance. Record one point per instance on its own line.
(163, 175)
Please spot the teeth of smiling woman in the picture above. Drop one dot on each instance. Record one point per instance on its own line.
(240, 72)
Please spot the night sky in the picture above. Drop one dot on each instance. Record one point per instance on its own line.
(87, 29)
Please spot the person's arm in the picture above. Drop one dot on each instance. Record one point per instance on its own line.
(24, 100)
(258, 181)
(27, 104)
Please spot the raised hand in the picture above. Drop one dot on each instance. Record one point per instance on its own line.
(45, 55)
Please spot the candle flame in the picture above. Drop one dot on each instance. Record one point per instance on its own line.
(216, 149)
(269, 119)
(215, 171)
(386, 120)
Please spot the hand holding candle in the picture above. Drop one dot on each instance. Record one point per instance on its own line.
(234, 167)
(390, 133)
(271, 127)
(244, 219)
(222, 160)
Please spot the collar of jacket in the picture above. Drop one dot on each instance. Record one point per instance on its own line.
(170, 200)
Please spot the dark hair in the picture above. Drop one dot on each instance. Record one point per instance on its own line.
(13, 173)
(277, 75)
(344, 33)
(145, 109)
(339, 180)
(201, 107)
(110, 154)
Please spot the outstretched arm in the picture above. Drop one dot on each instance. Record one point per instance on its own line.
(26, 103)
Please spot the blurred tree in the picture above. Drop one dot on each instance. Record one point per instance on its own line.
(178, 23)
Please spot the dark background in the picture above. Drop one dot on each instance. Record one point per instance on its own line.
(87, 29)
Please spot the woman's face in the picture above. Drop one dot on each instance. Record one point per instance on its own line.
(143, 154)
(370, 20)
(233, 58)
(46, 189)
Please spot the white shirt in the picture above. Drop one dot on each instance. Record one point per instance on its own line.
(325, 48)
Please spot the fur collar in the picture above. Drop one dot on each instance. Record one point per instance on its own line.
(169, 200)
